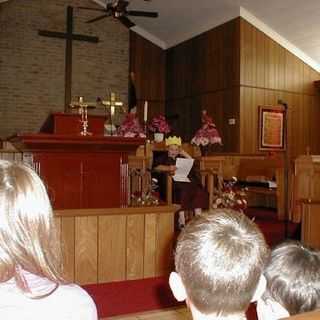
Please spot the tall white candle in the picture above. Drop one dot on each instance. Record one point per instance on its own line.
(80, 99)
(145, 112)
(112, 111)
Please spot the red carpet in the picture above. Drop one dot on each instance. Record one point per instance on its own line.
(133, 296)
(274, 231)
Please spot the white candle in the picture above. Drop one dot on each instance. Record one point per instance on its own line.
(80, 99)
(112, 110)
(145, 112)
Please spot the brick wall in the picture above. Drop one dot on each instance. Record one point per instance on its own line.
(32, 66)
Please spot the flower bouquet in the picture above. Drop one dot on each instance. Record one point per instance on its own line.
(231, 197)
(147, 197)
(207, 134)
(159, 124)
(130, 127)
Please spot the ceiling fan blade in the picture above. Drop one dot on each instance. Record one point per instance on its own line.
(93, 9)
(98, 18)
(142, 14)
(125, 21)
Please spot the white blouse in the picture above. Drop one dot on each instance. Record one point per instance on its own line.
(67, 302)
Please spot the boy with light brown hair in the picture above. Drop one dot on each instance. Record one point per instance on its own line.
(219, 260)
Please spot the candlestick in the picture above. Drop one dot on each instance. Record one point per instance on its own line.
(83, 112)
(145, 112)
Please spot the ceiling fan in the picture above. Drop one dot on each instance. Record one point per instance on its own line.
(118, 10)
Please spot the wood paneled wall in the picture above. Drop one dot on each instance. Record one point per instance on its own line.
(104, 245)
(268, 72)
(230, 71)
(203, 73)
(148, 62)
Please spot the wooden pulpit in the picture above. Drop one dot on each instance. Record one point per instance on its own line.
(306, 202)
(306, 182)
(80, 171)
(310, 217)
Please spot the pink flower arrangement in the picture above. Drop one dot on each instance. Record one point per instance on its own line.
(231, 197)
(207, 134)
(159, 124)
(130, 127)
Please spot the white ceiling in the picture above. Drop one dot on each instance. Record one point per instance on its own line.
(295, 24)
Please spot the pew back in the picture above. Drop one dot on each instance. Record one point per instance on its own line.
(250, 166)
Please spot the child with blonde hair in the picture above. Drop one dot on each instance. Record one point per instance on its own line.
(31, 282)
(219, 261)
(190, 195)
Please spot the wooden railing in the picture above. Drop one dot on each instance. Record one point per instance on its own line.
(114, 244)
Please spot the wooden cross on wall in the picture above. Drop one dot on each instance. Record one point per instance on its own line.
(69, 36)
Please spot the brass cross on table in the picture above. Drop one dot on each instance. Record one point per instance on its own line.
(112, 103)
(69, 36)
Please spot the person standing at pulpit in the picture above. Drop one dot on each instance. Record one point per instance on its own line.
(31, 282)
(190, 195)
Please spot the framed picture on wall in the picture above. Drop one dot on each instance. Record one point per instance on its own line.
(272, 127)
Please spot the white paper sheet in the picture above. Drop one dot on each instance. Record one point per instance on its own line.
(183, 168)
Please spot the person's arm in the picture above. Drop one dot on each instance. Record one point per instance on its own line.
(160, 165)
(165, 168)
(185, 154)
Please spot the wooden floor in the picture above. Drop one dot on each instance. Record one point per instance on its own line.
(178, 313)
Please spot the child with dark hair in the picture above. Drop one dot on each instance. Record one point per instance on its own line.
(293, 282)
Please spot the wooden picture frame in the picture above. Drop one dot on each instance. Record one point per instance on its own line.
(272, 124)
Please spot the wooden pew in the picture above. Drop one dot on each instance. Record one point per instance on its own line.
(212, 169)
(266, 169)
(244, 165)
